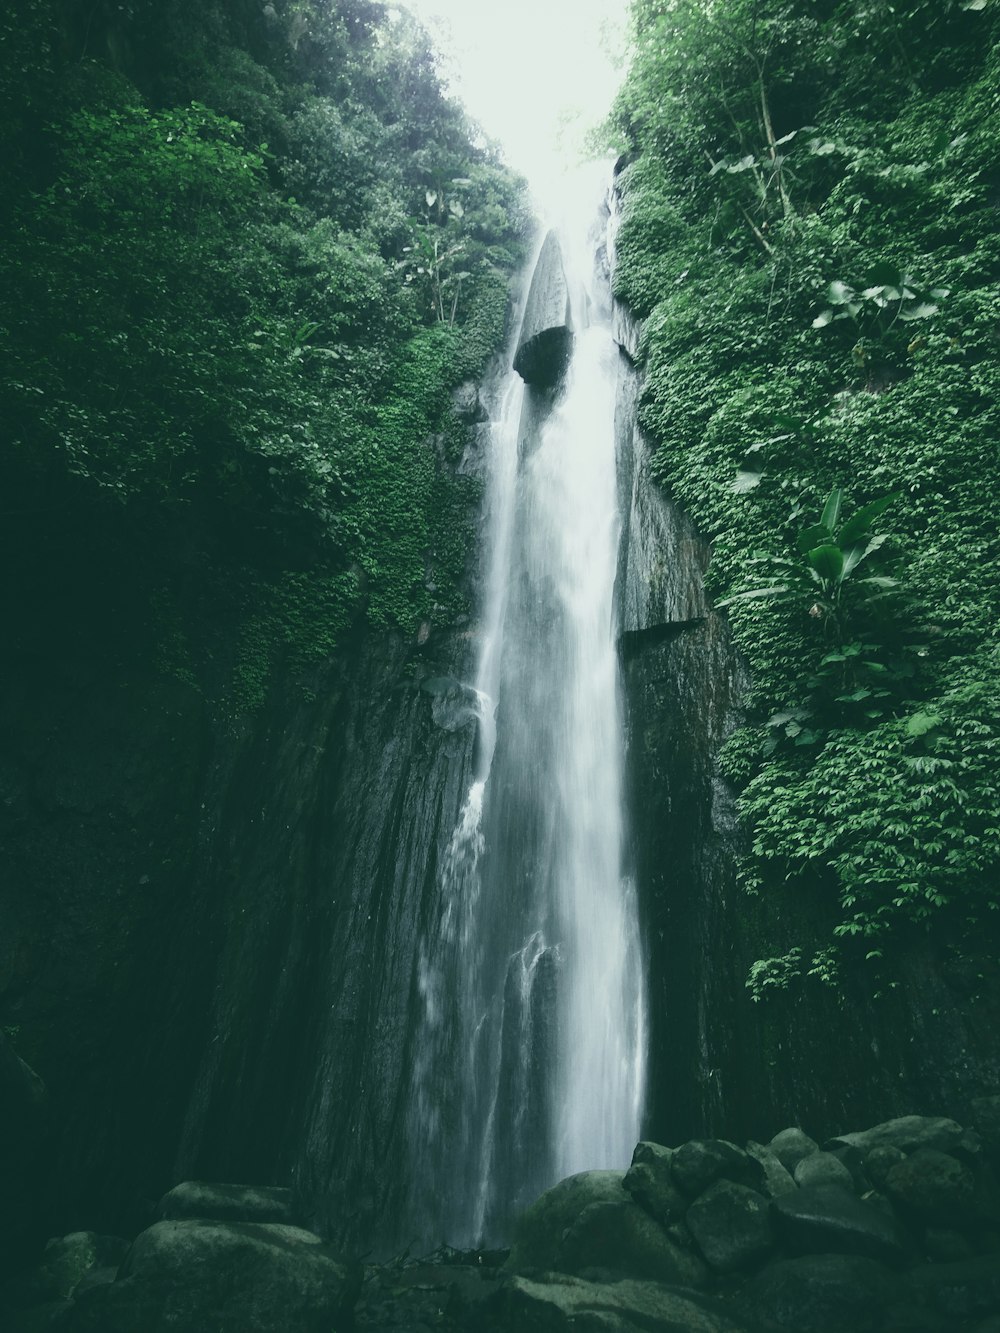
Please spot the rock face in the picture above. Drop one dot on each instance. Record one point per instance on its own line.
(229, 1277)
(546, 340)
(266, 961)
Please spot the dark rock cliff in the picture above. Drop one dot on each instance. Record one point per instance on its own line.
(210, 932)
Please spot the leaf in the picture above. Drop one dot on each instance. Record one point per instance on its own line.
(785, 138)
(831, 510)
(790, 715)
(880, 581)
(744, 164)
(821, 148)
(839, 293)
(921, 723)
(817, 535)
(853, 556)
(431, 197)
(304, 332)
(974, 4)
(746, 480)
(754, 593)
(821, 321)
(861, 520)
(827, 561)
(923, 310)
(455, 208)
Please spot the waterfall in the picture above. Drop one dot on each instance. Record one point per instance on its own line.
(530, 1050)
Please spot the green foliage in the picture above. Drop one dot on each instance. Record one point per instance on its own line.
(812, 244)
(206, 328)
(829, 553)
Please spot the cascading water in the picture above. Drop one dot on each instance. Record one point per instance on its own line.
(529, 1060)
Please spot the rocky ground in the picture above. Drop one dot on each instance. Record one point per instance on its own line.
(894, 1229)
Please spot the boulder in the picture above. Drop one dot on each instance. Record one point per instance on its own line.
(411, 1298)
(821, 1219)
(65, 1262)
(945, 1246)
(986, 1123)
(777, 1180)
(651, 1185)
(731, 1226)
(615, 1240)
(546, 341)
(588, 1225)
(619, 1307)
(95, 1277)
(854, 1161)
(538, 1232)
(880, 1161)
(964, 1290)
(822, 1168)
(186, 1276)
(970, 1148)
(823, 1293)
(908, 1133)
(226, 1203)
(36, 1319)
(933, 1186)
(790, 1146)
(698, 1164)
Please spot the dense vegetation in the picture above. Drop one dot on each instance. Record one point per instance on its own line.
(246, 252)
(810, 234)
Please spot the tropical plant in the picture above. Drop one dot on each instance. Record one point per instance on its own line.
(829, 553)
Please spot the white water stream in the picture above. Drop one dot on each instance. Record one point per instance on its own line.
(530, 1059)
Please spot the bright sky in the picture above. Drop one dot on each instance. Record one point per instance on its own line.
(536, 74)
